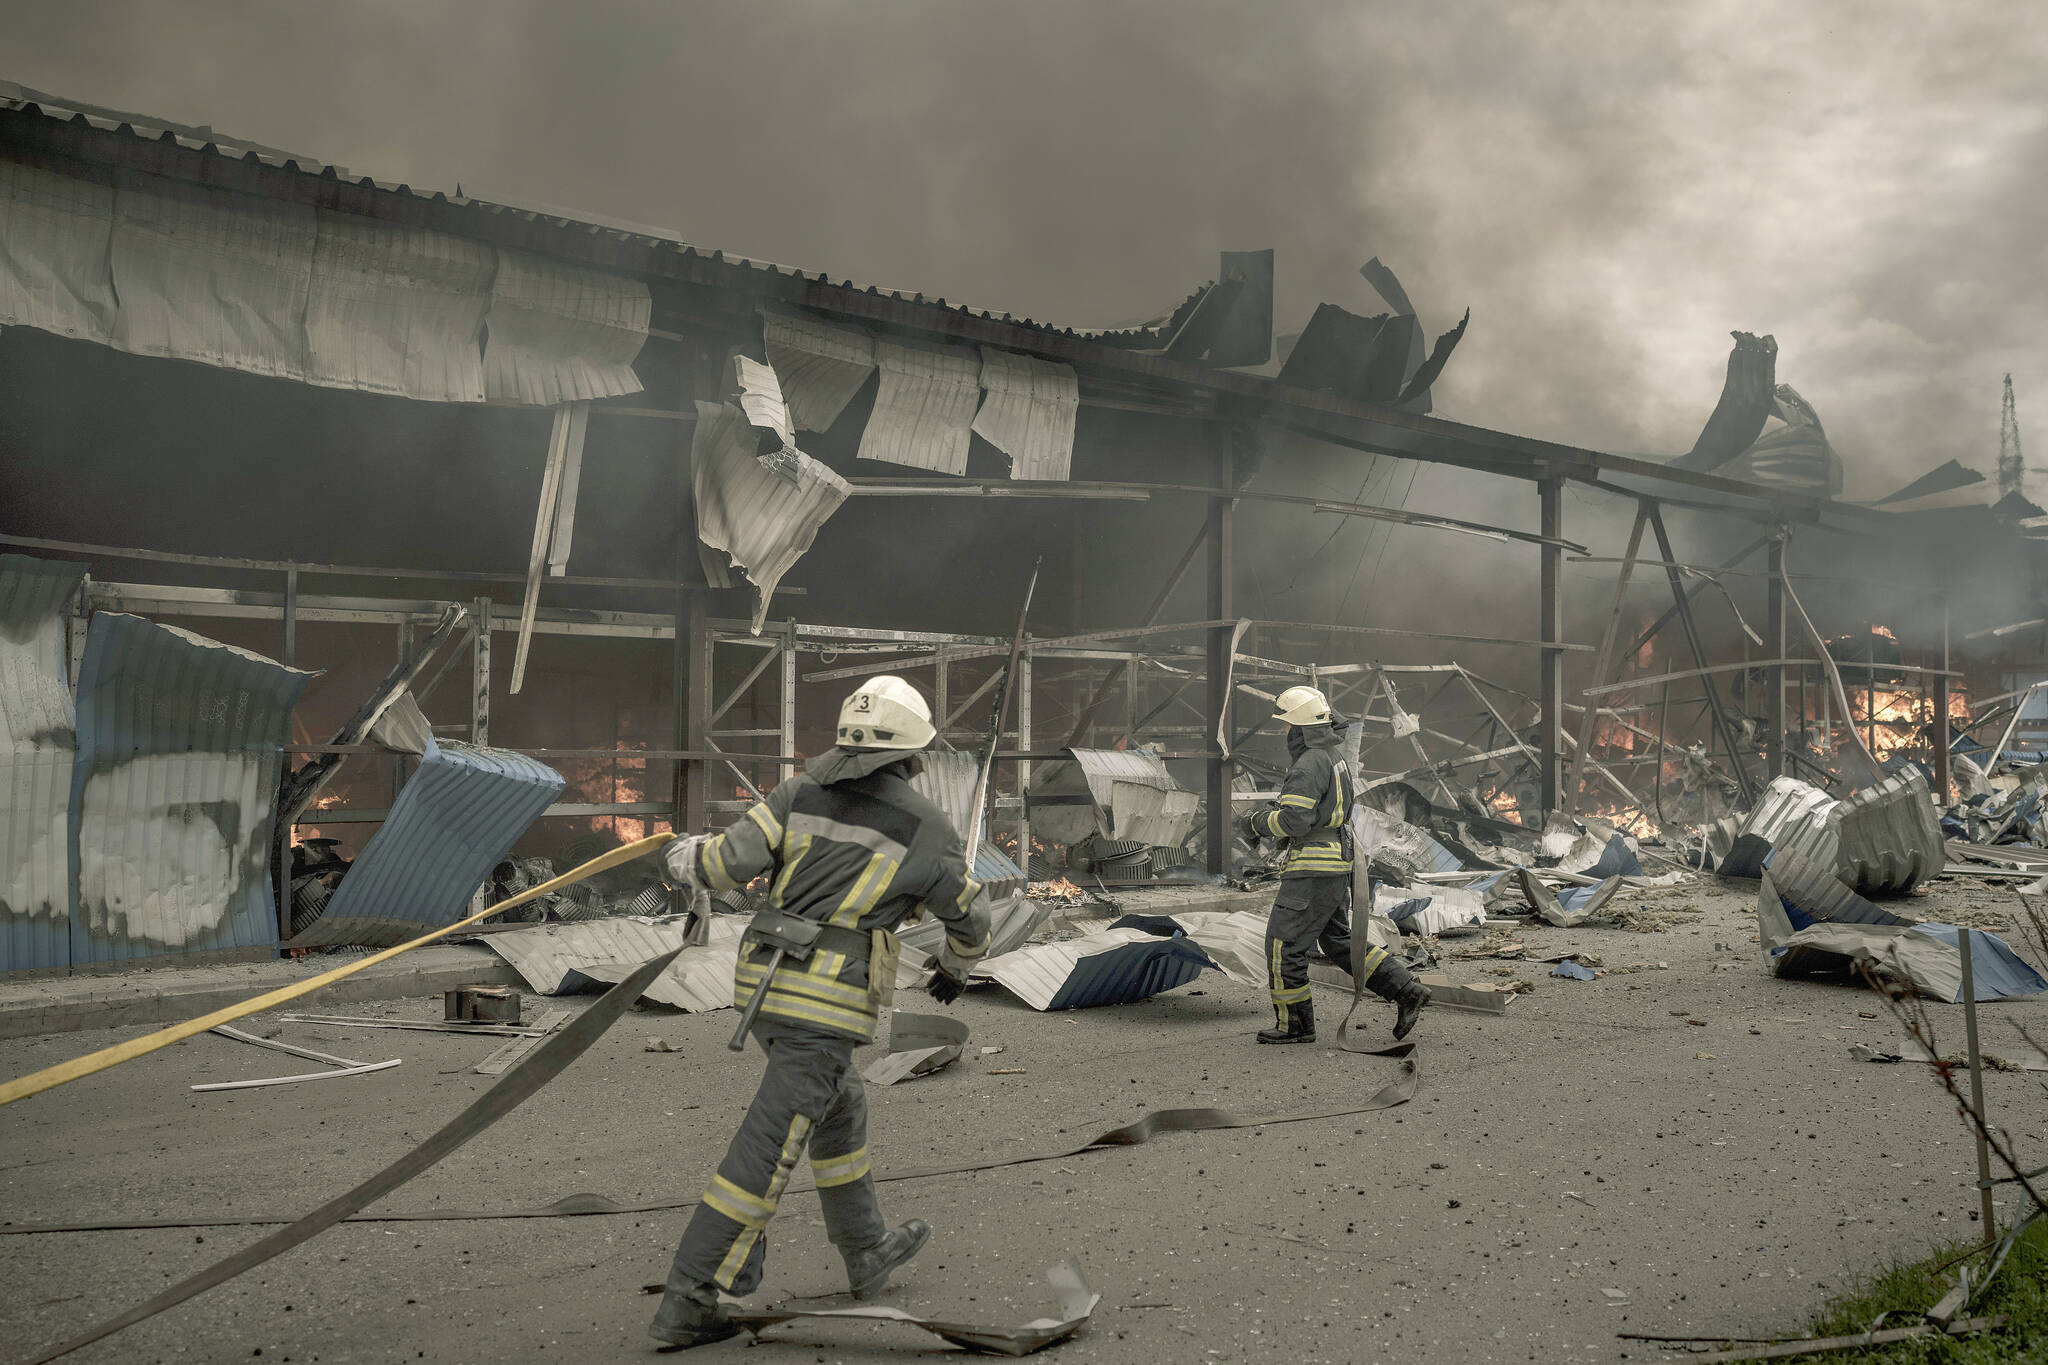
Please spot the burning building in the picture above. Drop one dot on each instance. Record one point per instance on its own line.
(642, 511)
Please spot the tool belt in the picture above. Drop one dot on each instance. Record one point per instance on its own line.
(799, 937)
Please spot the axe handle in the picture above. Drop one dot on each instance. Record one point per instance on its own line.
(739, 1035)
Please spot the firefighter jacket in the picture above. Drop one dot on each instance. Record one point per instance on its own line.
(1315, 807)
(852, 845)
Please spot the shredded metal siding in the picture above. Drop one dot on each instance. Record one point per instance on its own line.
(561, 333)
(761, 519)
(1029, 412)
(174, 796)
(1113, 967)
(1797, 817)
(948, 783)
(398, 310)
(821, 367)
(1155, 818)
(1890, 838)
(54, 232)
(924, 407)
(457, 816)
(38, 745)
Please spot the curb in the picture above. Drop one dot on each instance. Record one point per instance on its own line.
(166, 996)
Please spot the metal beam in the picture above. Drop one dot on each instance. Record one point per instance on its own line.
(1604, 662)
(1774, 642)
(1683, 605)
(1550, 613)
(1222, 608)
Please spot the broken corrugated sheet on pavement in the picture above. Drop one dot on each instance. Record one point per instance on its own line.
(459, 813)
(1112, 967)
(1809, 924)
(919, 1044)
(924, 407)
(1077, 1302)
(38, 745)
(173, 800)
(820, 367)
(1029, 412)
(1790, 814)
(1890, 838)
(560, 333)
(557, 959)
(1432, 909)
(761, 519)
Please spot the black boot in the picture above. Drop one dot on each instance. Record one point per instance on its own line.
(1393, 982)
(1301, 1026)
(690, 1315)
(867, 1271)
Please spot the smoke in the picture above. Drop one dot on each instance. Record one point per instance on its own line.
(1611, 188)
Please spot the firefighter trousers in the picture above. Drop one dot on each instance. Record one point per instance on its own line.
(810, 1099)
(1309, 911)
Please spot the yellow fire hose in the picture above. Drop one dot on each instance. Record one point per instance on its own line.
(53, 1076)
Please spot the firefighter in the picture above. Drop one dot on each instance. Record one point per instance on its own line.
(851, 850)
(1312, 823)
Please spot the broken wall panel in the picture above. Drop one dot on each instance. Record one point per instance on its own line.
(946, 778)
(1889, 836)
(218, 278)
(924, 407)
(38, 747)
(559, 333)
(1112, 967)
(1029, 412)
(55, 236)
(763, 520)
(397, 310)
(174, 796)
(459, 813)
(1074, 797)
(1147, 815)
(760, 397)
(557, 959)
(821, 367)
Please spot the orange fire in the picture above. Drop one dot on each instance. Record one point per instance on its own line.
(1058, 889)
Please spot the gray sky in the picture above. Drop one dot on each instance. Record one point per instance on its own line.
(1610, 187)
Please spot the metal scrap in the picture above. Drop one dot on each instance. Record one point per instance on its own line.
(919, 1044)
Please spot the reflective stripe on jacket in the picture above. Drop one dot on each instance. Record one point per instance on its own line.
(848, 843)
(1314, 807)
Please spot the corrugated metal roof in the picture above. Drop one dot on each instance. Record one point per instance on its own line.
(1029, 412)
(1113, 967)
(398, 310)
(562, 333)
(173, 800)
(1151, 816)
(1073, 797)
(924, 407)
(763, 520)
(53, 275)
(760, 397)
(38, 744)
(1234, 940)
(821, 367)
(558, 958)
(460, 812)
(1889, 836)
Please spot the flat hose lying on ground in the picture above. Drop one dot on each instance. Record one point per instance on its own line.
(1398, 1091)
(49, 1078)
(541, 1066)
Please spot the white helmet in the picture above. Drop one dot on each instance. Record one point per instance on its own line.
(885, 713)
(1302, 706)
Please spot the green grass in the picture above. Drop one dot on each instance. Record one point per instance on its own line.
(1911, 1288)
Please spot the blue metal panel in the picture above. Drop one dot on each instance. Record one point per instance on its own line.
(1616, 860)
(1131, 972)
(1997, 972)
(458, 815)
(38, 744)
(174, 796)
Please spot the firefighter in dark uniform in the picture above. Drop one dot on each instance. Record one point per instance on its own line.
(851, 851)
(1312, 822)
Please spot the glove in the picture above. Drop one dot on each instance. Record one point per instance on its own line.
(1247, 827)
(944, 987)
(680, 857)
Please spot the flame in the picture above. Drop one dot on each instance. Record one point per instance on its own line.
(1058, 889)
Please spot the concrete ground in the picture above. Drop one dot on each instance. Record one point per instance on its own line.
(1593, 1162)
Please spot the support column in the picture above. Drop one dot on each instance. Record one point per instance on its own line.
(1683, 604)
(692, 774)
(1221, 608)
(1941, 756)
(1550, 610)
(405, 647)
(1774, 641)
(291, 618)
(480, 672)
(1023, 764)
(787, 732)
